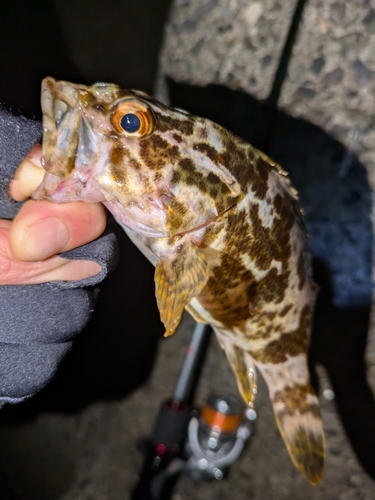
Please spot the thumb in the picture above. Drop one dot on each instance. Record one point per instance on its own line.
(42, 229)
(16, 272)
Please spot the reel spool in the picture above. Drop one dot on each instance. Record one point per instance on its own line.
(218, 437)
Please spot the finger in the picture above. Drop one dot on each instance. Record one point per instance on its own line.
(28, 176)
(15, 272)
(42, 229)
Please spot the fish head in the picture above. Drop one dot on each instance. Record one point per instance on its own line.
(158, 169)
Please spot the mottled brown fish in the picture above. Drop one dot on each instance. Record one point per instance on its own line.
(217, 218)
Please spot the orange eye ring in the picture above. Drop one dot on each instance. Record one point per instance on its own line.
(133, 118)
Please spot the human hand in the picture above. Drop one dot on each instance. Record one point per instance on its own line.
(29, 243)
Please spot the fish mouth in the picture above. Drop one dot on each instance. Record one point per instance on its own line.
(68, 140)
(86, 147)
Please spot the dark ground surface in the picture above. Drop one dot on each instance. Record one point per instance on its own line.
(115, 355)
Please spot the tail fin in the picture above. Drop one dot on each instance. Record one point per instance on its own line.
(298, 418)
(297, 414)
(295, 404)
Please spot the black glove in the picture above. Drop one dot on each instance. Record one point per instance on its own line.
(38, 322)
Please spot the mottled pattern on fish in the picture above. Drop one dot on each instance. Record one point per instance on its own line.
(217, 218)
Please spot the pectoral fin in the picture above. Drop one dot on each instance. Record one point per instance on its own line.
(177, 281)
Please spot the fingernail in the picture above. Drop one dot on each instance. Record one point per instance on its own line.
(45, 238)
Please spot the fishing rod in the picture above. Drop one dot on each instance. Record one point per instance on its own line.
(182, 442)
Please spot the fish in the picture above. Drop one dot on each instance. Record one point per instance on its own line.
(218, 219)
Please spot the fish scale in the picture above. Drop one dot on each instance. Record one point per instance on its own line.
(220, 222)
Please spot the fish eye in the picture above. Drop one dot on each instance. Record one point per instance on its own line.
(130, 123)
(133, 118)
